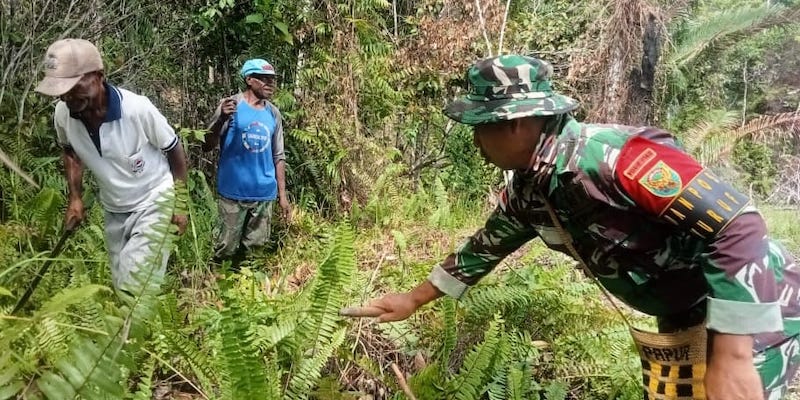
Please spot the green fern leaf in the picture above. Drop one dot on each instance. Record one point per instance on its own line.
(68, 297)
(450, 334)
(327, 295)
(11, 382)
(469, 383)
(90, 371)
(244, 370)
(306, 375)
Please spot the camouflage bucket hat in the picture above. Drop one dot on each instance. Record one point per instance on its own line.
(508, 87)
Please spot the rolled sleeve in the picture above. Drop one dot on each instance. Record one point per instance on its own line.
(744, 295)
(446, 283)
(743, 318)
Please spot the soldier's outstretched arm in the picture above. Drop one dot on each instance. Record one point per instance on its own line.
(504, 232)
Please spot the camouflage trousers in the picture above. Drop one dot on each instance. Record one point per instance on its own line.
(242, 223)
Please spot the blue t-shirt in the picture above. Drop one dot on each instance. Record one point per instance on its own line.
(246, 167)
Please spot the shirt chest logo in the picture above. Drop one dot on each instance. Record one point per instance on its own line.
(136, 164)
(256, 137)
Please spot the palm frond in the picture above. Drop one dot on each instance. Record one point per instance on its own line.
(717, 146)
(716, 121)
(701, 34)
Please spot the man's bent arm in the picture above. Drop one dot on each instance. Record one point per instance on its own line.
(176, 158)
(73, 171)
(213, 134)
(280, 176)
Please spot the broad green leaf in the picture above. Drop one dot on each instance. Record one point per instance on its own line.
(281, 26)
(256, 18)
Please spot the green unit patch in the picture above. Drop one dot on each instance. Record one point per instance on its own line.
(662, 180)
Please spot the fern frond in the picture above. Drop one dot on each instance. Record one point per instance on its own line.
(243, 367)
(91, 371)
(426, 384)
(52, 339)
(450, 334)
(327, 295)
(145, 384)
(441, 215)
(178, 343)
(201, 365)
(10, 379)
(484, 301)
(67, 297)
(266, 337)
(518, 383)
(305, 376)
(469, 383)
(141, 295)
(46, 209)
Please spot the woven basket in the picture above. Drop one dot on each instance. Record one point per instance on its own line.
(673, 364)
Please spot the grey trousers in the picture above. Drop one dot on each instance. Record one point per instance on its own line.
(241, 222)
(132, 242)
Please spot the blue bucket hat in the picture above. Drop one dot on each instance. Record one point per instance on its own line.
(257, 66)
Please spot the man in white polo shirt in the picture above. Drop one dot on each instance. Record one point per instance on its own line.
(128, 145)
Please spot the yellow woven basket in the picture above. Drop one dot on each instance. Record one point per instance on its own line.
(673, 364)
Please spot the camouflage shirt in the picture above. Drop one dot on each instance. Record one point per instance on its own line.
(658, 230)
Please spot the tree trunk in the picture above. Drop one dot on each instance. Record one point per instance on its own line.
(642, 79)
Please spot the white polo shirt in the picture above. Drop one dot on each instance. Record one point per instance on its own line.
(130, 166)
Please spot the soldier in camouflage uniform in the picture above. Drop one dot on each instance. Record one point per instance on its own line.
(659, 231)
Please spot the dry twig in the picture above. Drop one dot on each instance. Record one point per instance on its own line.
(401, 380)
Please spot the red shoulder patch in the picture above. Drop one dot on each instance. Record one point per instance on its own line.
(653, 174)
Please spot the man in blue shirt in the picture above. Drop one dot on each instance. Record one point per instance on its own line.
(252, 168)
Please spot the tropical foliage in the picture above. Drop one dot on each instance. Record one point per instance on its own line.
(383, 185)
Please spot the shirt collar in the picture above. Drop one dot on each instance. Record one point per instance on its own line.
(113, 103)
(544, 156)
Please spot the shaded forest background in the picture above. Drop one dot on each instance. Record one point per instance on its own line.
(383, 184)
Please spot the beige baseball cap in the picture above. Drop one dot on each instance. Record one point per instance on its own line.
(65, 63)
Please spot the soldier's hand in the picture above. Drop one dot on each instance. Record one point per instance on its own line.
(227, 107)
(74, 215)
(392, 307)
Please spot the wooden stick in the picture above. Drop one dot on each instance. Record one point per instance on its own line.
(360, 312)
(401, 380)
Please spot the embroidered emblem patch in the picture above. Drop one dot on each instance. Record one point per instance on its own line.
(50, 62)
(661, 180)
(639, 162)
(137, 165)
